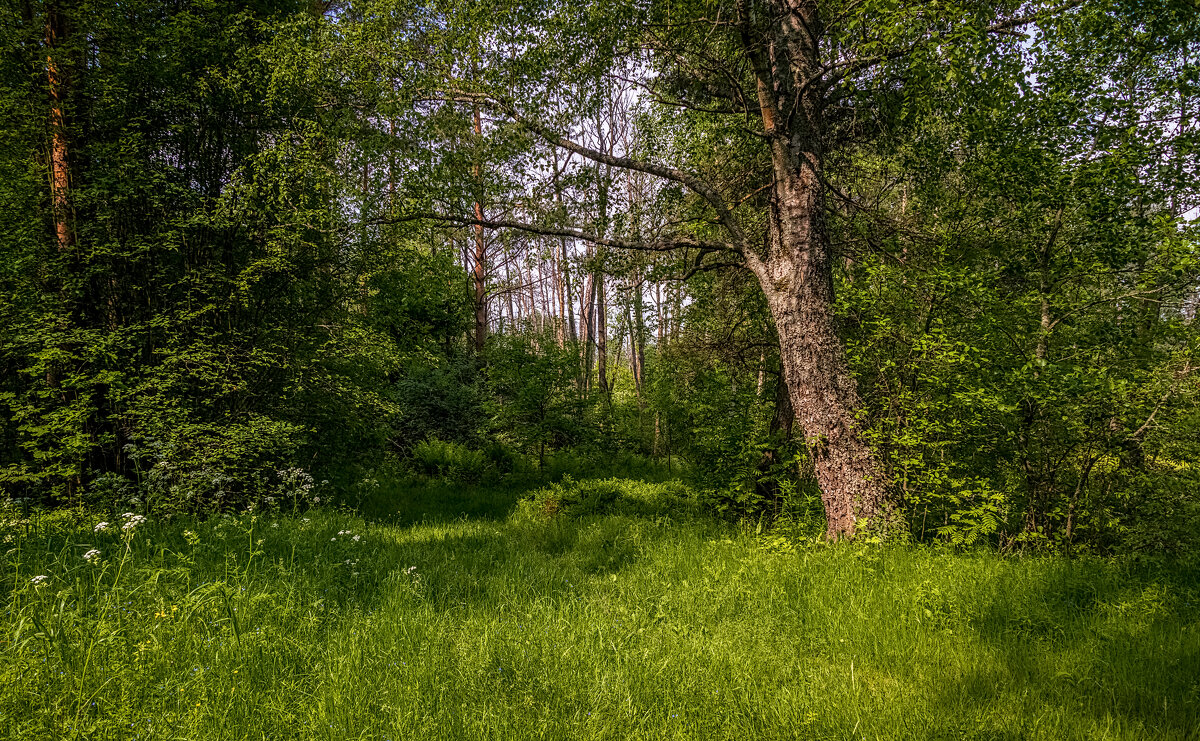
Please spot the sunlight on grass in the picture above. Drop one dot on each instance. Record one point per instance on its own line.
(625, 624)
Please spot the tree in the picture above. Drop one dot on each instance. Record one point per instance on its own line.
(180, 288)
(1023, 336)
(813, 76)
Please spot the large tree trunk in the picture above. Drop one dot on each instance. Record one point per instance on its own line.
(796, 268)
(797, 278)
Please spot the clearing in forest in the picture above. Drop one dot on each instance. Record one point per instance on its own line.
(588, 612)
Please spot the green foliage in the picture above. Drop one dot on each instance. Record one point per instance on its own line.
(214, 319)
(199, 469)
(442, 400)
(448, 460)
(597, 497)
(533, 402)
(244, 291)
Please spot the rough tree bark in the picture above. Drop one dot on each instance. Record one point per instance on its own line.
(795, 80)
(796, 268)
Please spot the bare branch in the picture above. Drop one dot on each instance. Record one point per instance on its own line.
(664, 244)
(1187, 369)
(695, 184)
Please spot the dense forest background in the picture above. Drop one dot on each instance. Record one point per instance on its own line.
(255, 252)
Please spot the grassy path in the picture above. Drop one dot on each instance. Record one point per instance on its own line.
(329, 626)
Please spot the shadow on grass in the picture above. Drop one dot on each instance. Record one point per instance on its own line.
(1116, 643)
(483, 562)
(440, 502)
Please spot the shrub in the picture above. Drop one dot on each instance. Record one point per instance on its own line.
(449, 460)
(209, 468)
(571, 498)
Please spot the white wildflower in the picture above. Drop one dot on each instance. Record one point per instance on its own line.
(100, 527)
(90, 555)
(132, 523)
(357, 538)
(39, 580)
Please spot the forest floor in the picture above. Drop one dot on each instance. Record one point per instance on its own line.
(463, 616)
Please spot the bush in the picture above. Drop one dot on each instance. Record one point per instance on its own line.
(571, 498)
(449, 460)
(208, 468)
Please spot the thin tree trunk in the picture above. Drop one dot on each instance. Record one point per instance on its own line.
(60, 167)
(601, 336)
(612, 379)
(508, 289)
(547, 295)
(588, 330)
(559, 301)
(634, 369)
(637, 344)
(60, 192)
(1035, 482)
(569, 300)
(762, 369)
(480, 267)
(662, 312)
(604, 180)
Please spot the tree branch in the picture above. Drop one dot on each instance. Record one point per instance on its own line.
(704, 190)
(858, 64)
(1187, 368)
(665, 244)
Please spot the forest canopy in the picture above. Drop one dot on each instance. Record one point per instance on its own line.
(924, 270)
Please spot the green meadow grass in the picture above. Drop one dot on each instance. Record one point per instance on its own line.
(515, 623)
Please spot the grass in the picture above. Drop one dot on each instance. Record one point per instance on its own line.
(621, 622)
